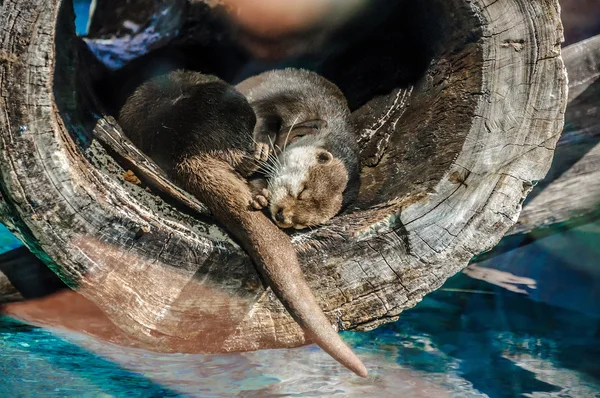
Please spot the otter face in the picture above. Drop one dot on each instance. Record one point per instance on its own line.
(307, 188)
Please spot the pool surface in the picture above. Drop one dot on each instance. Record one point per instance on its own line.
(516, 333)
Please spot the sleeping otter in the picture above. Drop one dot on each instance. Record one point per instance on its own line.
(199, 130)
(314, 172)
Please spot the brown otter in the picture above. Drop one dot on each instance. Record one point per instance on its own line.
(315, 170)
(199, 130)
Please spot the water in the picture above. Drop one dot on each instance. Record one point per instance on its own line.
(516, 333)
(493, 344)
(82, 10)
(8, 240)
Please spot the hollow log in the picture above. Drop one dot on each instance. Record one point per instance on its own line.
(452, 144)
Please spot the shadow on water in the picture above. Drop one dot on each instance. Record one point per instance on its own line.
(31, 277)
(27, 350)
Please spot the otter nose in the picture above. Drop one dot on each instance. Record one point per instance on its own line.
(279, 216)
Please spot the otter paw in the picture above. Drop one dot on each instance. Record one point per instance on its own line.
(259, 202)
(261, 151)
(260, 199)
(259, 193)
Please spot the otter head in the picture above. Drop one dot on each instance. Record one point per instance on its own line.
(308, 187)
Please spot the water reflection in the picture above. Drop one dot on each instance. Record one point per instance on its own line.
(473, 337)
(35, 363)
(503, 343)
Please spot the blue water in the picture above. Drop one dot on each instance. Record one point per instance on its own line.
(82, 10)
(8, 240)
(470, 338)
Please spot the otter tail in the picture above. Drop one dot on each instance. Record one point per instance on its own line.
(270, 249)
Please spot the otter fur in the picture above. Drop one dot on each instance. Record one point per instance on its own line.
(315, 170)
(199, 130)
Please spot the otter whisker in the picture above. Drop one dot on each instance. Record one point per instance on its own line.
(268, 170)
(289, 131)
(274, 154)
(270, 166)
(265, 166)
(275, 160)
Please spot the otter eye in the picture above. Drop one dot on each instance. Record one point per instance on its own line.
(324, 157)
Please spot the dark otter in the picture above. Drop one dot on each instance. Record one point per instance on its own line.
(315, 171)
(199, 130)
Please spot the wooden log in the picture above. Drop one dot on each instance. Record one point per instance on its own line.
(570, 193)
(451, 146)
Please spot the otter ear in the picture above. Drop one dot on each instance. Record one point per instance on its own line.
(324, 157)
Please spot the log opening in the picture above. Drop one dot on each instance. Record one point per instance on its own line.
(405, 153)
(459, 106)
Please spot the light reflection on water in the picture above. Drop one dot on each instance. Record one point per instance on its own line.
(39, 363)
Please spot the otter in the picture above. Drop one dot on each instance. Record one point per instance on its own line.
(314, 171)
(198, 129)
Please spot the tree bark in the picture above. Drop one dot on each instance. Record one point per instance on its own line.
(449, 155)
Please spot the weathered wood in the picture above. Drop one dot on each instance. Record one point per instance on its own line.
(450, 152)
(583, 65)
(571, 189)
